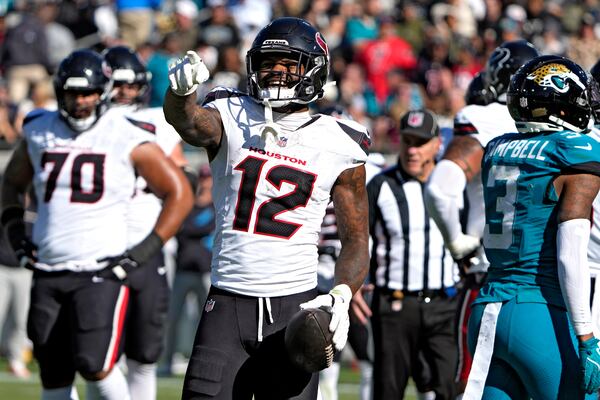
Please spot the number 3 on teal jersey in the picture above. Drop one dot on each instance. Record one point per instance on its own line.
(502, 175)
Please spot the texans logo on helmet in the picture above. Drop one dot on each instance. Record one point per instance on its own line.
(321, 42)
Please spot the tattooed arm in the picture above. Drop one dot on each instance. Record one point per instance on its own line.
(198, 126)
(352, 214)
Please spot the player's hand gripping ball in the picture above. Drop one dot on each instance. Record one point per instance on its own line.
(308, 341)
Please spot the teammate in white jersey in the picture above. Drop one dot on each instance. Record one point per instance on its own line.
(474, 126)
(82, 161)
(594, 245)
(275, 169)
(149, 295)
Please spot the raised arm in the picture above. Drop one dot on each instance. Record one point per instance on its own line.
(198, 126)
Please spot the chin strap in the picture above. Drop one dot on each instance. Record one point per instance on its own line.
(270, 130)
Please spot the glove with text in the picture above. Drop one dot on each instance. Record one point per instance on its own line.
(589, 357)
(186, 73)
(337, 303)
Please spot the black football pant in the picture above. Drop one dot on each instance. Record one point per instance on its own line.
(229, 362)
(407, 331)
(147, 311)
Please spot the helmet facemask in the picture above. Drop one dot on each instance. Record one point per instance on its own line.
(131, 78)
(283, 75)
(85, 72)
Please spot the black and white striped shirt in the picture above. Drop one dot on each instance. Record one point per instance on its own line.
(407, 250)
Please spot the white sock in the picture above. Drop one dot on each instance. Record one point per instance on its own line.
(426, 395)
(328, 380)
(63, 393)
(142, 380)
(113, 387)
(366, 380)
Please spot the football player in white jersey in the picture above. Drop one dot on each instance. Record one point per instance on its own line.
(149, 291)
(82, 161)
(594, 245)
(474, 126)
(275, 169)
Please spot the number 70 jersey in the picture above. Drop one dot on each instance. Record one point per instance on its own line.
(271, 191)
(83, 183)
(518, 172)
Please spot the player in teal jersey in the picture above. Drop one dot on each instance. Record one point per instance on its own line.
(530, 327)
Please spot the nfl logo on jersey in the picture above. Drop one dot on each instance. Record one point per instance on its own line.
(282, 142)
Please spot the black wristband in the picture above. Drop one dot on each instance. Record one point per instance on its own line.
(15, 233)
(144, 250)
(11, 213)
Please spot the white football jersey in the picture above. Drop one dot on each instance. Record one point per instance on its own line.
(271, 191)
(145, 207)
(594, 244)
(83, 183)
(483, 123)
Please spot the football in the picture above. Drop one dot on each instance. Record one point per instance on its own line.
(308, 341)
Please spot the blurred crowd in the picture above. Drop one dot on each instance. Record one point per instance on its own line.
(387, 56)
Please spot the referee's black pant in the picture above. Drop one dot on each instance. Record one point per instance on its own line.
(414, 335)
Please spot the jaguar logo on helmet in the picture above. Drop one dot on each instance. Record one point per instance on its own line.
(321, 42)
(555, 76)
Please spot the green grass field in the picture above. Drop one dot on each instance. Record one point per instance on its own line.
(12, 388)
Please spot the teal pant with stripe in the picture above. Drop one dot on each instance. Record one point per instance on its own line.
(535, 353)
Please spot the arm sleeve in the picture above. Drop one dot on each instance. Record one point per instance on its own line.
(444, 198)
(573, 272)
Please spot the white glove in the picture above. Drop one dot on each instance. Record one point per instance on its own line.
(336, 302)
(463, 245)
(186, 73)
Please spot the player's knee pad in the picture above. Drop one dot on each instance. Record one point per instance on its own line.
(40, 323)
(205, 372)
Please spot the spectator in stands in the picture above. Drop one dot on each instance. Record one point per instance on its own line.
(158, 65)
(219, 30)
(25, 55)
(11, 118)
(584, 48)
(136, 20)
(381, 55)
(186, 23)
(60, 40)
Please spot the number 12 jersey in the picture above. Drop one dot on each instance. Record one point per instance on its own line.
(270, 191)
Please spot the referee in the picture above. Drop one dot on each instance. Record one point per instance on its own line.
(413, 304)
